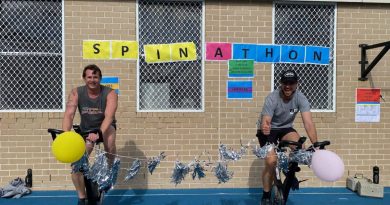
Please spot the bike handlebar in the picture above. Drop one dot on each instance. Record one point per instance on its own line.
(321, 144)
(84, 134)
(286, 143)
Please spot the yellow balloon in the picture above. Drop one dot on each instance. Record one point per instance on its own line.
(68, 147)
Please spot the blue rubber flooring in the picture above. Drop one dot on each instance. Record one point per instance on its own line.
(241, 196)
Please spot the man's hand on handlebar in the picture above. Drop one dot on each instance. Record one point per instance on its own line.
(92, 137)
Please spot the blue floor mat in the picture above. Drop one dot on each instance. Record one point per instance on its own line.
(242, 196)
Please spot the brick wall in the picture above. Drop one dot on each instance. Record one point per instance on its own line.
(25, 143)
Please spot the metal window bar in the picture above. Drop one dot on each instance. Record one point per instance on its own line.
(31, 63)
(171, 86)
(308, 24)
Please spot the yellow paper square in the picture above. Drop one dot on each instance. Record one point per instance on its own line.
(157, 53)
(124, 49)
(183, 51)
(93, 49)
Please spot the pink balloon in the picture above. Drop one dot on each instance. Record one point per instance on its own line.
(327, 165)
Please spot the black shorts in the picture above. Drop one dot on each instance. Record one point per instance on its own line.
(274, 137)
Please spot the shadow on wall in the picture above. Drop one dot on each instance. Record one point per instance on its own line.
(139, 184)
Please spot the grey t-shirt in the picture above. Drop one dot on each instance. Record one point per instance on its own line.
(92, 110)
(283, 114)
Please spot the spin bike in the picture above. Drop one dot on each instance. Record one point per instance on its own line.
(280, 190)
(94, 195)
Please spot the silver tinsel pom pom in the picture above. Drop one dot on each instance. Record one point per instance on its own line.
(222, 173)
(262, 152)
(283, 161)
(132, 172)
(101, 173)
(179, 172)
(198, 170)
(301, 157)
(229, 154)
(82, 165)
(154, 162)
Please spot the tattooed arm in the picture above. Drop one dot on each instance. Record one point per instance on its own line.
(70, 110)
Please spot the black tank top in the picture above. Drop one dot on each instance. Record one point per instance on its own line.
(92, 110)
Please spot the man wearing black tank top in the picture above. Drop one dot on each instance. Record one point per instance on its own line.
(97, 105)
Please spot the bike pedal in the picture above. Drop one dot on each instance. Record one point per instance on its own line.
(302, 180)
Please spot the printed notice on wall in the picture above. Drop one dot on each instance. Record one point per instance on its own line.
(111, 82)
(367, 105)
(239, 90)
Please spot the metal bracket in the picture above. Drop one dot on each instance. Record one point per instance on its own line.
(363, 62)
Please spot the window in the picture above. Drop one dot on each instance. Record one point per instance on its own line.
(171, 86)
(31, 55)
(314, 25)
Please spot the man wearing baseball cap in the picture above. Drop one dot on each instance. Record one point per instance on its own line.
(276, 123)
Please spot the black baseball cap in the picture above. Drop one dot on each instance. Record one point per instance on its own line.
(289, 76)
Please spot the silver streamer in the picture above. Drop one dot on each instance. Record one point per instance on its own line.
(262, 152)
(222, 173)
(154, 162)
(101, 172)
(108, 181)
(229, 154)
(283, 161)
(198, 171)
(132, 172)
(179, 172)
(301, 157)
(82, 165)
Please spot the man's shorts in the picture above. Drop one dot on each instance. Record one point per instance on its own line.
(274, 137)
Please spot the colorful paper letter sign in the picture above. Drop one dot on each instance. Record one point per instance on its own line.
(268, 54)
(112, 82)
(239, 90)
(157, 53)
(293, 54)
(218, 51)
(183, 51)
(244, 51)
(241, 68)
(367, 105)
(317, 55)
(124, 49)
(96, 49)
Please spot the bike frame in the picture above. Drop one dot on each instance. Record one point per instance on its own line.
(94, 195)
(280, 190)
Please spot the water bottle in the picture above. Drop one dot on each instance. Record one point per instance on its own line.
(28, 179)
(375, 175)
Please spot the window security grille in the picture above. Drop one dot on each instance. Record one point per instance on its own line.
(308, 24)
(31, 55)
(173, 86)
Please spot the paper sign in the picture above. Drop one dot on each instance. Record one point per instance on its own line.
(183, 51)
(244, 51)
(268, 54)
(239, 90)
(124, 50)
(367, 105)
(317, 55)
(112, 82)
(293, 54)
(218, 51)
(96, 49)
(157, 53)
(241, 68)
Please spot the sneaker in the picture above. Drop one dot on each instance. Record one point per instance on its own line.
(81, 202)
(265, 201)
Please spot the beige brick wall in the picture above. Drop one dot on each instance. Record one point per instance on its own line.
(25, 143)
